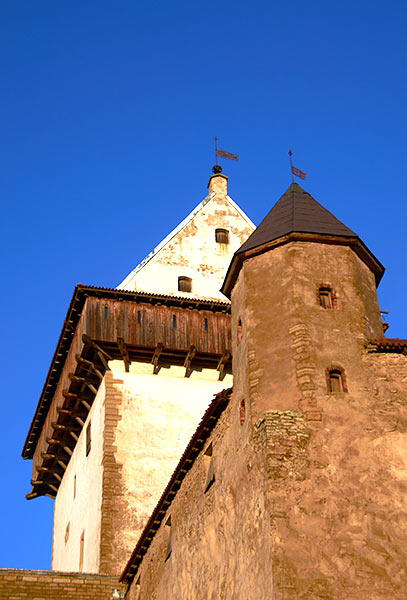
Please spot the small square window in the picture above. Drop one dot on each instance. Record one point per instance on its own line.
(184, 284)
(222, 236)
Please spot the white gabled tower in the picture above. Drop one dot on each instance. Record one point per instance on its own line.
(200, 248)
(133, 372)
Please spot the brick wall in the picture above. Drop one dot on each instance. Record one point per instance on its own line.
(23, 584)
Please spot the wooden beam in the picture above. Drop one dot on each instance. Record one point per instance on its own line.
(65, 427)
(188, 360)
(90, 365)
(222, 363)
(87, 340)
(156, 356)
(124, 353)
(73, 413)
(69, 395)
(73, 434)
(83, 381)
(43, 469)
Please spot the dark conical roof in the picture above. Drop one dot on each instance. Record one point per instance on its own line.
(297, 216)
(296, 211)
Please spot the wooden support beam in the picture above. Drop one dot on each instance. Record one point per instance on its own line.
(103, 360)
(69, 395)
(73, 413)
(156, 356)
(43, 469)
(87, 340)
(124, 353)
(222, 363)
(73, 434)
(188, 360)
(52, 488)
(83, 381)
(65, 427)
(90, 365)
(85, 404)
(80, 420)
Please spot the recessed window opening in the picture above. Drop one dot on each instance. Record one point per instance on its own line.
(88, 438)
(106, 312)
(169, 543)
(184, 284)
(336, 381)
(81, 550)
(174, 321)
(139, 317)
(206, 324)
(74, 487)
(222, 236)
(325, 297)
(210, 473)
(67, 533)
(242, 411)
(239, 329)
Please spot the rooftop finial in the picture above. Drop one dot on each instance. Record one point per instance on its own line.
(216, 169)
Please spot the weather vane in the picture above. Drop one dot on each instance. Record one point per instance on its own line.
(294, 170)
(222, 154)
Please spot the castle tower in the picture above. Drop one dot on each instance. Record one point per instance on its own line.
(322, 395)
(133, 372)
(303, 289)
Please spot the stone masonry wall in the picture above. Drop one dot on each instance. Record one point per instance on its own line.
(21, 584)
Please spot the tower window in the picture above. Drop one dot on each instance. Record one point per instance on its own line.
(222, 236)
(336, 381)
(242, 411)
(239, 331)
(67, 533)
(184, 284)
(326, 297)
(88, 439)
(210, 475)
(169, 544)
(206, 324)
(81, 550)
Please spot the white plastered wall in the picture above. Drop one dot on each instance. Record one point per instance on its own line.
(159, 414)
(82, 512)
(191, 250)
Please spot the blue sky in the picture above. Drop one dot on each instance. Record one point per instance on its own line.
(109, 110)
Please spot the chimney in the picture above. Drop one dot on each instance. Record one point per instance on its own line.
(218, 183)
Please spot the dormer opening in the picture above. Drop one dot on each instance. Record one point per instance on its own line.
(222, 236)
(184, 284)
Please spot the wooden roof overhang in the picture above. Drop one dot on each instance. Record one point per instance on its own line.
(195, 446)
(104, 328)
(354, 242)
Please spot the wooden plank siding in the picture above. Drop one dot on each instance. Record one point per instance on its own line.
(141, 326)
(106, 320)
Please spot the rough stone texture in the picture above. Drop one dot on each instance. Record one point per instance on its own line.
(192, 251)
(221, 538)
(21, 584)
(309, 499)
